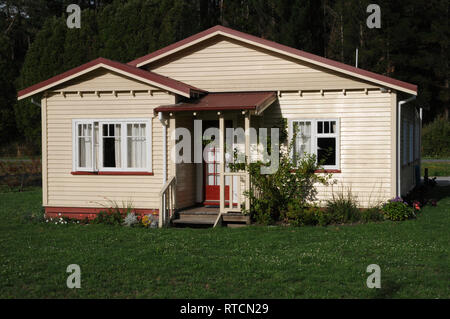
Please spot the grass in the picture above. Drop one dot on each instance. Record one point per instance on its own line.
(436, 168)
(252, 262)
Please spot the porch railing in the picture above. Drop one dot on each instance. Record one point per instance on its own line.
(237, 185)
(167, 200)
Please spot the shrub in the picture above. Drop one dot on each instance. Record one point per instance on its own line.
(372, 214)
(293, 183)
(111, 217)
(302, 216)
(18, 174)
(114, 214)
(435, 141)
(130, 220)
(396, 209)
(343, 208)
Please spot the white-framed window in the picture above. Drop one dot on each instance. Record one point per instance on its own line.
(83, 141)
(319, 137)
(112, 145)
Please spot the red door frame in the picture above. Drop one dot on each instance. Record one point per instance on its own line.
(211, 193)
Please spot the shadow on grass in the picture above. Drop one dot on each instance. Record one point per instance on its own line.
(439, 192)
(388, 289)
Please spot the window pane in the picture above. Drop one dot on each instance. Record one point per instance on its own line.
(326, 129)
(326, 151)
(303, 141)
(136, 146)
(333, 127)
(111, 146)
(84, 145)
(319, 127)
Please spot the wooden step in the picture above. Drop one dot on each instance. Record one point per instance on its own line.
(236, 218)
(193, 222)
(232, 225)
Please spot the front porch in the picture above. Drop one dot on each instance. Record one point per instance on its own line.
(207, 216)
(205, 191)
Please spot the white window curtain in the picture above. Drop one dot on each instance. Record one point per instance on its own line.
(117, 148)
(303, 142)
(136, 145)
(85, 145)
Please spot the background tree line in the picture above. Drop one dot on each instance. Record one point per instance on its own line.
(35, 43)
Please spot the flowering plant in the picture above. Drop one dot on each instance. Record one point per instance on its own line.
(146, 220)
(396, 209)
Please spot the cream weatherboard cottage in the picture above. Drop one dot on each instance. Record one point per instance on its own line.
(107, 126)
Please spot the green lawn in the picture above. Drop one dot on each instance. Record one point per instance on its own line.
(252, 262)
(436, 168)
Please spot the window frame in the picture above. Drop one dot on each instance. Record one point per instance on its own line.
(75, 146)
(315, 136)
(123, 144)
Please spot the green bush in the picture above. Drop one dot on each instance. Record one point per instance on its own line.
(435, 139)
(373, 214)
(293, 182)
(397, 210)
(302, 216)
(113, 217)
(114, 214)
(342, 208)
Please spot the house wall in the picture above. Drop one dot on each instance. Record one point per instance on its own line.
(222, 64)
(60, 187)
(367, 147)
(186, 172)
(409, 149)
(367, 118)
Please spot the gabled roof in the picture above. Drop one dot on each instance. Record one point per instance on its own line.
(278, 48)
(151, 78)
(224, 101)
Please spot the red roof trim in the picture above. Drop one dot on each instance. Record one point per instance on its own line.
(221, 102)
(151, 76)
(174, 108)
(281, 47)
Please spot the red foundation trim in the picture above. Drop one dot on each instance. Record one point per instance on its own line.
(88, 212)
(113, 173)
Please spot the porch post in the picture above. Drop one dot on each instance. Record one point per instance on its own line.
(247, 155)
(222, 162)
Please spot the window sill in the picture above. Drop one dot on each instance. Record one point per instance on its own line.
(327, 171)
(323, 171)
(112, 173)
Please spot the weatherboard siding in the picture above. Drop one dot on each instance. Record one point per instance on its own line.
(366, 163)
(223, 64)
(62, 189)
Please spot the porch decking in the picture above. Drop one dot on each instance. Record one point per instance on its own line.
(206, 216)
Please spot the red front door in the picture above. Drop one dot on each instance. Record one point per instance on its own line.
(212, 177)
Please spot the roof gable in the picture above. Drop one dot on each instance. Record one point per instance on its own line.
(144, 76)
(221, 64)
(278, 48)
